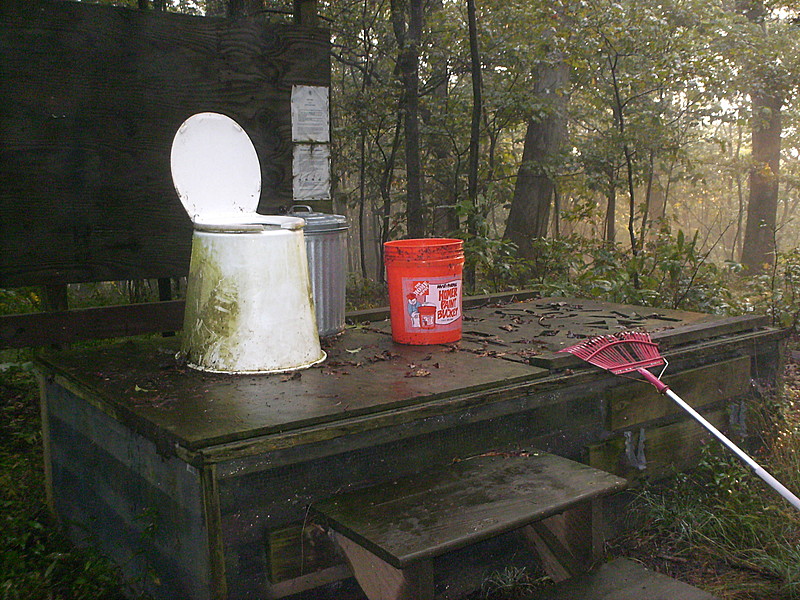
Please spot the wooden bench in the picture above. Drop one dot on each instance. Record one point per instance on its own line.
(390, 533)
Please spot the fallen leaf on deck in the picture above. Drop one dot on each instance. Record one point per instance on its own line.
(418, 373)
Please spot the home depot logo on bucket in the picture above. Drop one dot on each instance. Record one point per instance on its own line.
(425, 290)
(433, 303)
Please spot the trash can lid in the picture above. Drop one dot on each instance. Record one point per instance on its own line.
(317, 222)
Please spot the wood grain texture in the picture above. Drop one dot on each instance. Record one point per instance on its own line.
(115, 490)
(637, 403)
(434, 512)
(69, 326)
(668, 449)
(382, 581)
(207, 409)
(92, 96)
(569, 543)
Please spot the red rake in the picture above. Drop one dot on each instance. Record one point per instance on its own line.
(632, 351)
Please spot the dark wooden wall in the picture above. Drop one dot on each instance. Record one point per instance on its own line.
(90, 98)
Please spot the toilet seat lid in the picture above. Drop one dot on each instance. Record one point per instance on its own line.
(215, 168)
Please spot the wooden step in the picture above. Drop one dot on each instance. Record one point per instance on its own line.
(391, 532)
(622, 579)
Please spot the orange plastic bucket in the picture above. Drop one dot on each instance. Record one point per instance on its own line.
(424, 278)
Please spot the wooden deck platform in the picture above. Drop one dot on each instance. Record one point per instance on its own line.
(207, 479)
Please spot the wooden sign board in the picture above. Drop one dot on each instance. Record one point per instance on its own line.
(92, 97)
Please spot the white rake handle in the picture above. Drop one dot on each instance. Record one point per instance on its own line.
(757, 469)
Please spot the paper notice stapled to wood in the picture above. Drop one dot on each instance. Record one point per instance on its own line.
(310, 117)
(312, 172)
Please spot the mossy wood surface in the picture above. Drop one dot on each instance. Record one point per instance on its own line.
(114, 491)
(434, 512)
(365, 374)
(666, 450)
(635, 403)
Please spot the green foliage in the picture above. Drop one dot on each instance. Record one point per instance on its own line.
(777, 292)
(671, 272)
(37, 562)
(365, 293)
(489, 256)
(19, 300)
(722, 512)
(510, 583)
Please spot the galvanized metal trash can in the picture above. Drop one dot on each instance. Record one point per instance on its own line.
(326, 247)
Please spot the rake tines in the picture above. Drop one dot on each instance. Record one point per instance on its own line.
(619, 353)
(635, 351)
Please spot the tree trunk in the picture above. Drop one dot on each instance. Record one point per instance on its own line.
(533, 194)
(408, 40)
(474, 136)
(362, 200)
(442, 178)
(610, 234)
(477, 106)
(758, 250)
(386, 194)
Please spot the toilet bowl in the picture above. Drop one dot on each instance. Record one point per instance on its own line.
(249, 304)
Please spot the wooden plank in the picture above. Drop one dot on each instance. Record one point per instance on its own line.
(382, 581)
(688, 327)
(46, 445)
(557, 558)
(54, 297)
(477, 301)
(92, 96)
(667, 450)
(632, 404)
(66, 327)
(298, 549)
(365, 373)
(434, 512)
(621, 579)
(700, 331)
(213, 527)
(115, 490)
(533, 331)
(570, 543)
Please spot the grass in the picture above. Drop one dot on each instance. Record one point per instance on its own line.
(37, 562)
(720, 527)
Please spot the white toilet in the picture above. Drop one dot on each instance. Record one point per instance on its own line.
(249, 306)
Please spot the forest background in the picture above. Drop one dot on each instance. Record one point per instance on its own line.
(623, 147)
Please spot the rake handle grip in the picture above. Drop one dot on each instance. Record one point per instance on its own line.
(776, 485)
